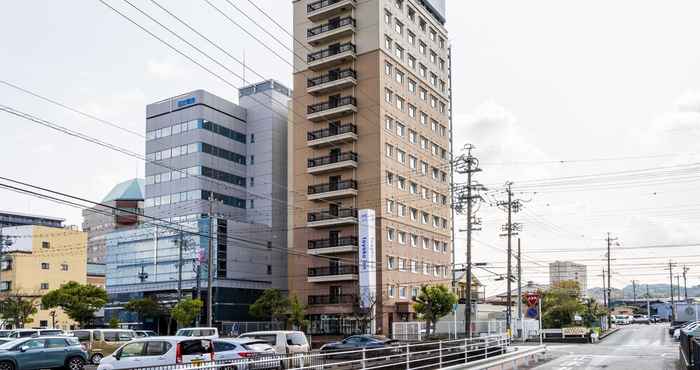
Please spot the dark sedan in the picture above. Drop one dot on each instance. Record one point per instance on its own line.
(375, 345)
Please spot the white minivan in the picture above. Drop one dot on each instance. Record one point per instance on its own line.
(284, 342)
(159, 351)
(210, 333)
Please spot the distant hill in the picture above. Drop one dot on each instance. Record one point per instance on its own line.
(655, 291)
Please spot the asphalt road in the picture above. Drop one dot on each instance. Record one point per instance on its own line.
(634, 347)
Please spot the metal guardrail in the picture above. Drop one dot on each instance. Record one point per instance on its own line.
(510, 358)
(424, 355)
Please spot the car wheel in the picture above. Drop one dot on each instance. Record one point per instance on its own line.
(7, 365)
(75, 363)
(95, 359)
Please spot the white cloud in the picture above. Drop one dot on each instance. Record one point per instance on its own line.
(164, 70)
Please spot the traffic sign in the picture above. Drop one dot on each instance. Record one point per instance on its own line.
(532, 312)
(532, 299)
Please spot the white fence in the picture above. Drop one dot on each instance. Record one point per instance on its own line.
(416, 330)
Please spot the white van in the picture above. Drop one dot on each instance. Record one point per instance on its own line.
(284, 342)
(209, 333)
(159, 351)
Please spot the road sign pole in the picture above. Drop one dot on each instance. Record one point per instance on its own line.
(539, 314)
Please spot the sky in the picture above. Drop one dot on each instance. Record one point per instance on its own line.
(543, 89)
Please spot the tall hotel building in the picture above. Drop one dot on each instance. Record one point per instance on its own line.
(371, 130)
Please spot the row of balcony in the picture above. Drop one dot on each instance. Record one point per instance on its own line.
(321, 9)
(332, 135)
(332, 217)
(335, 107)
(334, 80)
(332, 190)
(332, 299)
(343, 244)
(332, 273)
(334, 29)
(333, 162)
(333, 55)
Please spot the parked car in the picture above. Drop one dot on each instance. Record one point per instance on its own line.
(640, 319)
(145, 333)
(5, 333)
(26, 333)
(5, 340)
(43, 353)
(159, 351)
(673, 327)
(102, 342)
(687, 327)
(261, 354)
(621, 320)
(373, 343)
(211, 333)
(284, 342)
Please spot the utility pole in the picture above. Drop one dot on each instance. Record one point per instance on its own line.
(605, 299)
(210, 264)
(634, 292)
(520, 296)
(509, 314)
(685, 282)
(609, 240)
(678, 284)
(670, 278)
(179, 268)
(468, 165)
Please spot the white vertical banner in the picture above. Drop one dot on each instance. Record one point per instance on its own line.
(368, 263)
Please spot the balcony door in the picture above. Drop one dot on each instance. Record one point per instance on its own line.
(333, 209)
(333, 182)
(333, 128)
(333, 237)
(333, 23)
(334, 101)
(333, 74)
(334, 155)
(334, 48)
(334, 266)
(334, 293)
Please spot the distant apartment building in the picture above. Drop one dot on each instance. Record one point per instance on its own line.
(370, 160)
(564, 270)
(38, 260)
(19, 219)
(102, 219)
(214, 166)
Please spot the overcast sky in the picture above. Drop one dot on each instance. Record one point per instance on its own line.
(602, 86)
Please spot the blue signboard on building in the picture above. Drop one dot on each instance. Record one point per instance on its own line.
(184, 102)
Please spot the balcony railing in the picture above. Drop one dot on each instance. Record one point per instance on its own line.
(325, 53)
(315, 81)
(342, 22)
(330, 215)
(320, 107)
(330, 159)
(330, 243)
(332, 186)
(333, 270)
(331, 131)
(320, 5)
(331, 299)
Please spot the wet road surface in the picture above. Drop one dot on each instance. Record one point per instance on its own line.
(634, 347)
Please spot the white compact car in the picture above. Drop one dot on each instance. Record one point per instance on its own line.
(159, 351)
(211, 333)
(247, 354)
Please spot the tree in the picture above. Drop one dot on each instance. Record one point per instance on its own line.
(78, 301)
(114, 323)
(296, 314)
(434, 302)
(560, 304)
(144, 308)
(272, 305)
(592, 312)
(18, 309)
(186, 311)
(364, 312)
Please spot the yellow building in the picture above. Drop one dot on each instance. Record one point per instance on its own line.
(39, 260)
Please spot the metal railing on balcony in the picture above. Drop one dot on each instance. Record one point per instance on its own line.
(330, 26)
(325, 53)
(330, 215)
(333, 270)
(329, 159)
(330, 243)
(317, 5)
(331, 131)
(315, 81)
(332, 186)
(331, 299)
(320, 107)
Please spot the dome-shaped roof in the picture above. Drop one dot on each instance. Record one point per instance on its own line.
(127, 190)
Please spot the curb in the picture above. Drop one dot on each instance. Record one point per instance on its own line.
(607, 333)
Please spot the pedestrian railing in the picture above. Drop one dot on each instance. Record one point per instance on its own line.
(424, 355)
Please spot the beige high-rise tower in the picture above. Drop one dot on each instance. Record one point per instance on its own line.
(371, 130)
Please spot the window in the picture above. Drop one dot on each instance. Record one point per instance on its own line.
(398, 76)
(400, 129)
(5, 286)
(443, 176)
(411, 111)
(436, 222)
(414, 292)
(44, 265)
(389, 150)
(45, 245)
(422, 47)
(390, 208)
(413, 188)
(391, 291)
(423, 71)
(433, 57)
(252, 138)
(444, 247)
(131, 349)
(433, 35)
(390, 262)
(411, 38)
(401, 156)
(402, 183)
(252, 203)
(269, 269)
(399, 103)
(252, 181)
(441, 42)
(442, 86)
(414, 242)
(444, 223)
(402, 237)
(423, 142)
(402, 264)
(423, 95)
(436, 246)
(411, 14)
(44, 286)
(388, 123)
(389, 178)
(388, 95)
(387, 42)
(412, 162)
(399, 4)
(398, 52)
(435, 149)
(411, 85)
(436, 173)
(412, 136)
(388, 68)
(425, 243)
(433, 79)
(387, 17)
(422, 24)
(411, 61)
(423, 168)
(424, 192)
(434, 125)
(252, 159)
(402, 292)
(424, 217)
(443, 130)
(433, 101)
(401, 209)
(414, 214)
(442, 64)
(64, 267)
(398, 27)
